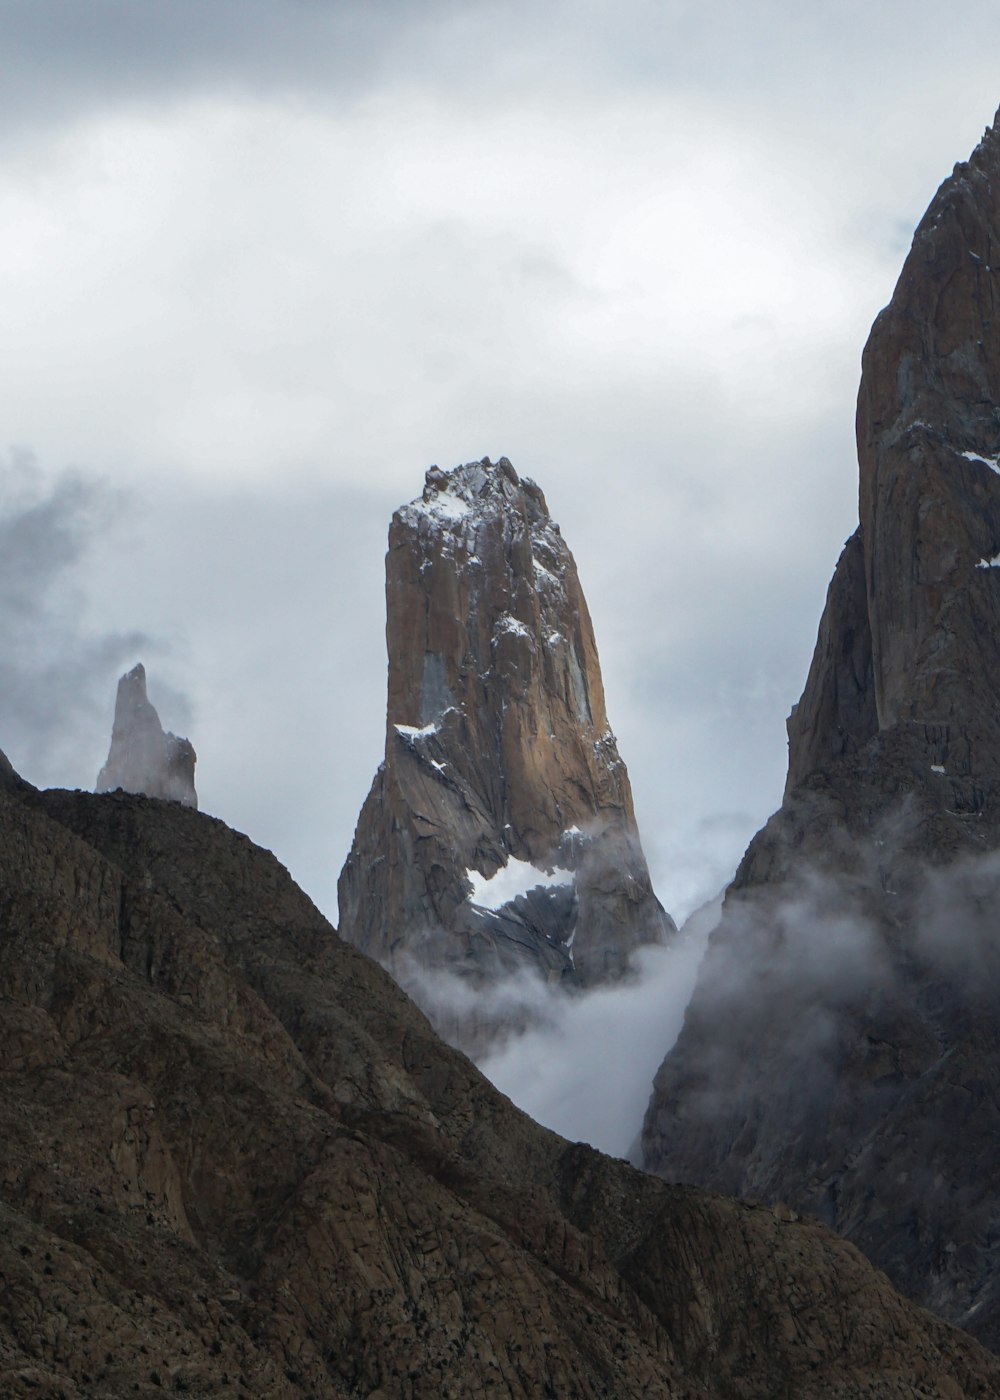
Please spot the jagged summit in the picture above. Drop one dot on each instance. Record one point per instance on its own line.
(143, 758)
(486, 533)
(499, 833)
(840, 1052)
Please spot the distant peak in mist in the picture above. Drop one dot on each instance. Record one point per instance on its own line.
(143, 757)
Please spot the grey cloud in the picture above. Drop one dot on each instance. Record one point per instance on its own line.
(56, 675)
(62, 59)
(586, 1064)
(581, 1063)
(956, 933)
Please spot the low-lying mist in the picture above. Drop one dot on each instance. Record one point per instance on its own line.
(843, 1028)
(588, 1071)
(581, 1064)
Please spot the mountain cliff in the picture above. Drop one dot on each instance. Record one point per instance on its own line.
(842, 1051)
(143, 758)
(499, 833)
(235, 1160)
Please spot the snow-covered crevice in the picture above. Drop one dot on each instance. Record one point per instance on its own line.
(992, 462)
(412, 731)
(517, 877)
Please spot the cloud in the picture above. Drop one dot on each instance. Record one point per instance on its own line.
(587, 1074)
(580, 1063)
(956, 932)
(57, 675)
(265, 262)
(65, 62)
(60, 55)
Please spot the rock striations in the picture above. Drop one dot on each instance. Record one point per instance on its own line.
(236, 1161)
(142, 758)
(842, 1049)
(499, 833)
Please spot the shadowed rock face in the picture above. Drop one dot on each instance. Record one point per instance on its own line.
(142, 758)
(911, 632)
(499, 833)
(236, 1160)
(841, 1051)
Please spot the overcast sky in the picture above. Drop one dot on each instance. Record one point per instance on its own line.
(264, 261)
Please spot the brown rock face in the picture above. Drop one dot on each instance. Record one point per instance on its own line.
(911, 632)
(499, 833)
(235, 1160)
(841, 1051)
(142, 758)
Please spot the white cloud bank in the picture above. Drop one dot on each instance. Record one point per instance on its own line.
(587, 1070)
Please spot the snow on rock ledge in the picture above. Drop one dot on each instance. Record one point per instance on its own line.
(495, 691)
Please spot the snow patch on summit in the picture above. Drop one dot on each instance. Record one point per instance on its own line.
(444, 503)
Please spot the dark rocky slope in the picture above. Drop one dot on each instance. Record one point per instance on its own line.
(235, 1160)
(842, 1050)
(499, 834)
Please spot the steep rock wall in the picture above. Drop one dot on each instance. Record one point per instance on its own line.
(499, 833)
(841, 1050)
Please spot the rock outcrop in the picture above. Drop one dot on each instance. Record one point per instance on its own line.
(143, 758)
(841, 1051)
(235, 1160)
(499, 833)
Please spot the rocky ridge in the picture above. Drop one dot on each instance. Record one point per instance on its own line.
(142, 757)
(841, 1051)
(235, 1160)
(499, 834)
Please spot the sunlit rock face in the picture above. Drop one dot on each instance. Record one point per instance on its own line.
(499, 833)
(841, 1051)
(143, 758)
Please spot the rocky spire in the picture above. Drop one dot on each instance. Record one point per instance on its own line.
(911, 631)
(840, 1051)
(142, 758)
(499, 832)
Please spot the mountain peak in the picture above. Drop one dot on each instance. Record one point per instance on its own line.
(142, 757)
(910, 634)
(500, 767)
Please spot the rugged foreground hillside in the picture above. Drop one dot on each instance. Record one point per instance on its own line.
(499, 835)
(842, 1050)
(235, 1160)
